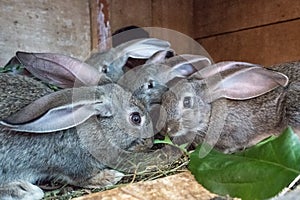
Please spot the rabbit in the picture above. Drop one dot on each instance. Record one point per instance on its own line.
(112, 61)
(232, 105)
(292, 70)
(149, 81)
(82, 136)
(17, 91)
(100, 68)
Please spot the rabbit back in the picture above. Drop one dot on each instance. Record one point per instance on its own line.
(17, 91)
(292, 70)
(32, 157)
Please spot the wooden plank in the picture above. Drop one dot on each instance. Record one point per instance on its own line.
(220, 16)
(130, 12)
(180, 187)
(44, 26)
(174, 14)
(100, 26)
(266, 45)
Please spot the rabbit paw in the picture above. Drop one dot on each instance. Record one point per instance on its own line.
(20, 190)
(106, 177)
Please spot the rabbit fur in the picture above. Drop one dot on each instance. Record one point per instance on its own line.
(149, 81)
(18, 91)
(36, 145)
(233, 105)
(100, 68)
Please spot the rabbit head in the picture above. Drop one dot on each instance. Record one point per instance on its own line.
(211, 96)
(149, 81)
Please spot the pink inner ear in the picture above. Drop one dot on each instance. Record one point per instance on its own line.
(158, 57)
(188, 64)
(221, 68)
(186, 70)
(60, 70)
(248, 83)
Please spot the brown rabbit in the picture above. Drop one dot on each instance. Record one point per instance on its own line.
(232, 105)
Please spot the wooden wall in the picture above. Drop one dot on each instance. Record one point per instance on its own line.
(44, 26)
(172, 14)
(263, 31)
(64, 26)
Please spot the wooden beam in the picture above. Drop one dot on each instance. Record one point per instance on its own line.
(265, 45)
(179, 186)
(100, 26)
(213, 17)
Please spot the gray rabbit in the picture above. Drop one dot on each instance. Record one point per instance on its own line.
(149, 81)
(73, 135)
(18, 91)
(232, 105)
(66, 72)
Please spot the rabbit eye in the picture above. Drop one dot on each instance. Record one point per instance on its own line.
(151, 84)
(105, 69)
(187, 102)
(135, 118)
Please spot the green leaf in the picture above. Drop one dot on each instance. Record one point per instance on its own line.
(259, 172)
(11, 68)
(166, 140)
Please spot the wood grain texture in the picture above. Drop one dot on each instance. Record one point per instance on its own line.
(174, 14)
(100, 26)
(44, 26)
(220, 16)
(130, 12)
(180, 187)
(265, 45)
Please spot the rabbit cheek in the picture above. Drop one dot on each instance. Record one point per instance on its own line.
(189, 120)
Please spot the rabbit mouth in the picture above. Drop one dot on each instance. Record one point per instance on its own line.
(155, 103)
(141, 145)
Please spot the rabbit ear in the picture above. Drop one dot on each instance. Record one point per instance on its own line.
(160, 56)
(142, 48)
(59, 111)
(220, 68)
(59, 70)
(241, 82)
(187, 64)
